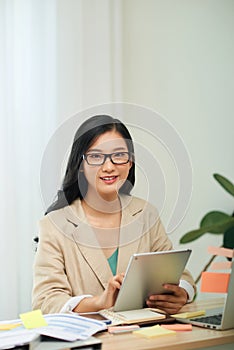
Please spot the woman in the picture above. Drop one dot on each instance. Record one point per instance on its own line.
(90, 232)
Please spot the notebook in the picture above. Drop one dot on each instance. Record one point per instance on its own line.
(145, 275)
(218, 318)
(139, 316)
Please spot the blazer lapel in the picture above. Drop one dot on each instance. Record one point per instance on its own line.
(90, 249)
(84, 237)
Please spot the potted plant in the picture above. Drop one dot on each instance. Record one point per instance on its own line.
(215, 222)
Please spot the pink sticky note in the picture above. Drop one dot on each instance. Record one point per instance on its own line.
(212, 282)
(228, 253)
(221, 265)
(177, 327)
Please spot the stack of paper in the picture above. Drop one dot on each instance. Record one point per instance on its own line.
(68, 327)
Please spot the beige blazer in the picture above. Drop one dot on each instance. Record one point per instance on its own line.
(69, 261)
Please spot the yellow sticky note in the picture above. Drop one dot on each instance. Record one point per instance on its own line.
(154, 331)
(189, 314)
(33, 319)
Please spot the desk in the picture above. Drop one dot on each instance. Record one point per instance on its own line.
(197, 338)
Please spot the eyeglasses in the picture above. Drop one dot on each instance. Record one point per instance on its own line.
(118, 158)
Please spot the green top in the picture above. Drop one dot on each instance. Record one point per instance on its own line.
(112, 260)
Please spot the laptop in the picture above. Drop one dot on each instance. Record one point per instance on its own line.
(145, 275)
(217, 318)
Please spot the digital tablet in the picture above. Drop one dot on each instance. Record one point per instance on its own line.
(145, 275)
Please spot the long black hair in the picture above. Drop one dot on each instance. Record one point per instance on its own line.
(74, 183)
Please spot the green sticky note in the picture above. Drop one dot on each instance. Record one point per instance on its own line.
(33, 319)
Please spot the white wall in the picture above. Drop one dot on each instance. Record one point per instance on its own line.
(178, 59)
(174, 57)
(88, 54)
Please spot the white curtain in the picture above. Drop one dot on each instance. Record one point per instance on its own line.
(56, 58)
(28, 117)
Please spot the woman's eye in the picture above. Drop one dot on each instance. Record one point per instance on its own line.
(120, 155)
(95, 156)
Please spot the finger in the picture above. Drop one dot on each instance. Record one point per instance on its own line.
(116, 281)
(170, 308)
(119, 278)
(163, 297)
(178, 292)
(166, 304)
(166, 299)
(114, 284)
(172, 287)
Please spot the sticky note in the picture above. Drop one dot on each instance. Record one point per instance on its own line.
(190, 314)
(178, 327)
(221, 265)
(228, 253)
(154, 331)
(214, 282)
(33, 319)
(122, 329)
(9, 326)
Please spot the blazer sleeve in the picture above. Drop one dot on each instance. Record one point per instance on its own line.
(51, 288)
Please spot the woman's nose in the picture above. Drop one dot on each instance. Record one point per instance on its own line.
(107, 165)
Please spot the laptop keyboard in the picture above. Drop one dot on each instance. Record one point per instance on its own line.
(214, 319)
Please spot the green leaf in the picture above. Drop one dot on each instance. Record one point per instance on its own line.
(192, 235)
(218, 220)
(216, 228)
(225, 183)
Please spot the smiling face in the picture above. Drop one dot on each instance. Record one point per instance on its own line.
(106, 179)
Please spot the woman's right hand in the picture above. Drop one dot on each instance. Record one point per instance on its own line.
(105, 300)
(108, 297)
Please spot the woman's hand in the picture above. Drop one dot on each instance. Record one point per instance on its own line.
(170, 303)
(108, 297)
(105, 300)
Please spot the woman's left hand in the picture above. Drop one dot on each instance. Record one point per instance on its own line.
(170, 303)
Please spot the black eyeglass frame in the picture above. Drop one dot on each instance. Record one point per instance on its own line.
(107, 155)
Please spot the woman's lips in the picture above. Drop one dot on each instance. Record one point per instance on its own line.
(109, 179)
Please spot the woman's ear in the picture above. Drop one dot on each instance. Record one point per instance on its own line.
(81, 168)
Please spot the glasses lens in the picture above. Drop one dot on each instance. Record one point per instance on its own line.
(120, 158)
(95, 158)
